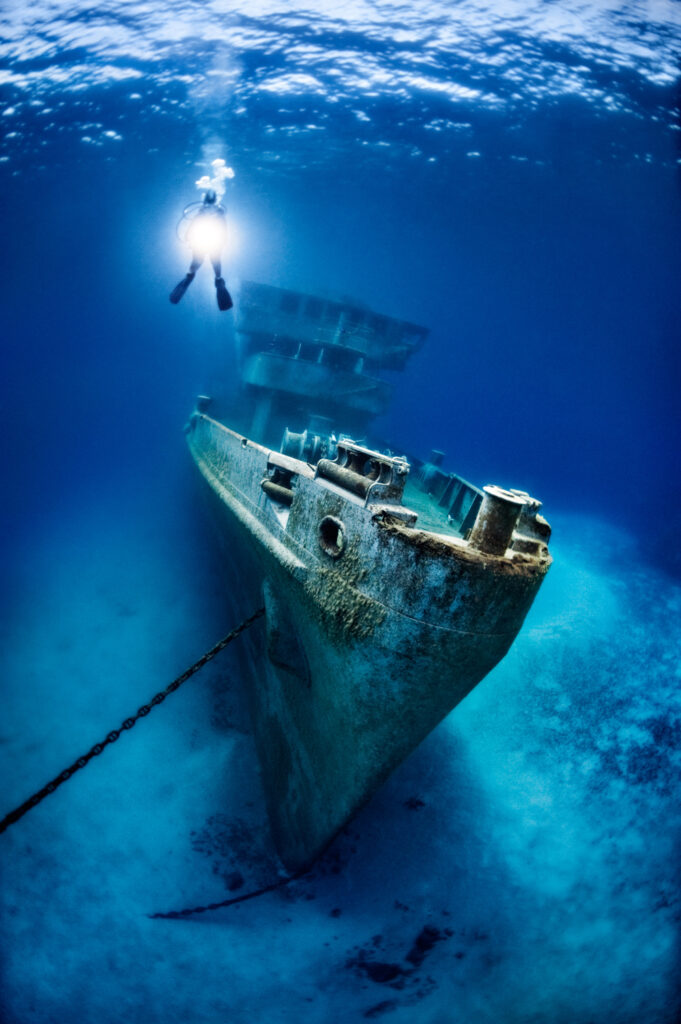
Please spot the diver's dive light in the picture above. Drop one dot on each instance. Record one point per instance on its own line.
(206, 233)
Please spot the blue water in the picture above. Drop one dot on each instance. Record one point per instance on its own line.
(507, 175)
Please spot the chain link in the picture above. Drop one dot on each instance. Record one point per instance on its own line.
(127, 724)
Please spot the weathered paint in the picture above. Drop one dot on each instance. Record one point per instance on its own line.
(368, 648)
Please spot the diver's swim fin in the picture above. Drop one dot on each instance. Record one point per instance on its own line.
(223, 296)
(179, 289)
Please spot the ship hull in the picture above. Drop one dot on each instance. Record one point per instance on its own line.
(365, 650)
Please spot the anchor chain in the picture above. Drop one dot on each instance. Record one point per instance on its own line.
(125, 726)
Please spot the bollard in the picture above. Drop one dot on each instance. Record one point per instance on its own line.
(496, 520)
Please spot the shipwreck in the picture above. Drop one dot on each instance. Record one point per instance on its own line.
(391, 586)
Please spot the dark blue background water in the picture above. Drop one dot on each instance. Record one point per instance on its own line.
(507, 176)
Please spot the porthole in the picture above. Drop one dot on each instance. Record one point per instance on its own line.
(332, 536)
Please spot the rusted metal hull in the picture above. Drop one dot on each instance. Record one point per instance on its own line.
(375, 630)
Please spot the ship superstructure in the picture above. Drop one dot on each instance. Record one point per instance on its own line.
(302, 357)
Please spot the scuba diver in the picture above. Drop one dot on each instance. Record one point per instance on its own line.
(206, 236)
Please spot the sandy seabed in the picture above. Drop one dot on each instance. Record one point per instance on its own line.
(521, 866)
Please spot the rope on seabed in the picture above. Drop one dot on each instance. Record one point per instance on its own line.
(174, 914)
(126, 725)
